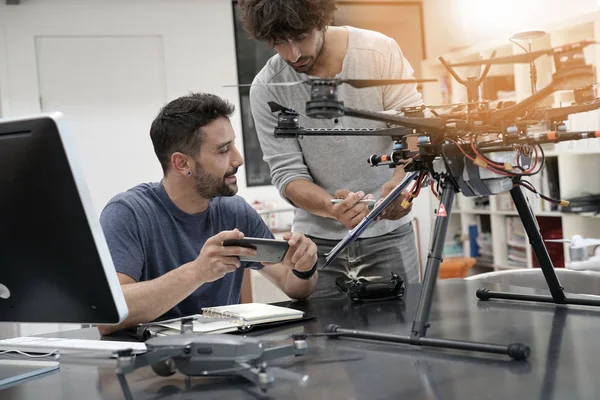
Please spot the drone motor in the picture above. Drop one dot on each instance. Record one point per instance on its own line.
(323, 103)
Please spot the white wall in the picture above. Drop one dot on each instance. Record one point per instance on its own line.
(451, 24)
(198, 42)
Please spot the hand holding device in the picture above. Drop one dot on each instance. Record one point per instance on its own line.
(269, 251)
(351, 210)
(302, 255)
(216, 260)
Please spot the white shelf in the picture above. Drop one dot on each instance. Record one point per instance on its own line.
(537, 214)
(477, 212)
(578, 161)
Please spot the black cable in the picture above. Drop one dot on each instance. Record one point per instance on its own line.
(512, 40)
(527, 185)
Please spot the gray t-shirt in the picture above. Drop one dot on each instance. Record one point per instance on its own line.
(335, 162)
(148, 236)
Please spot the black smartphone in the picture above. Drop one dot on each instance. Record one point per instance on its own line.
(268, 250)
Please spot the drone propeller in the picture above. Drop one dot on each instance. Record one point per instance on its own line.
(283, 374)
(278, 107)
(294, 83)
(356, 83)
(516, 59)
(442, 106)
(564, 112)
(365, 83)
(525, 57)
(225, 371)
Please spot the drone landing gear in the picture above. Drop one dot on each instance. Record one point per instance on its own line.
(417, 336)
(557, 294)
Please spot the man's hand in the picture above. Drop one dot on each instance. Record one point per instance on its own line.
(302, 254)
(394, 210)
(216, 260)
(350, 212)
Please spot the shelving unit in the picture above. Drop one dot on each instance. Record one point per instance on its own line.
(578, 163)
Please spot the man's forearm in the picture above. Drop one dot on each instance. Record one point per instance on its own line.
(297, 288)
(149, 300)
(309, 197)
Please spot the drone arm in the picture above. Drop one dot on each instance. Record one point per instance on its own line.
(273, 353)
(487, 68)
(452, 71)
(519, 108)
(421, 124)
(127, 364)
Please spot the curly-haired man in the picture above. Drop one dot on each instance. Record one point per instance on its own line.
(310, 171)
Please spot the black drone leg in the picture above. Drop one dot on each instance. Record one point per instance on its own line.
(417, 337)
(125, 387)
(557, 294)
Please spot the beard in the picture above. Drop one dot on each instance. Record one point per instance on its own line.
(309, 60)
(209, 186)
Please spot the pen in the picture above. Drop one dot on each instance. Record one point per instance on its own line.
(335, 201)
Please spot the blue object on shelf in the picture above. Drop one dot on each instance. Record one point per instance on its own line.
(474, 247)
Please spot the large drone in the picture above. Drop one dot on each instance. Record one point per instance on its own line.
(475, 149)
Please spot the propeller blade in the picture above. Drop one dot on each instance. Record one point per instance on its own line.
(276, 107)
(279, 373)
(516, 59)
(268, 84)
(442, 106)
(556, 112)
(365, 83)
(225, 371)
(527, 57)
(558, 240)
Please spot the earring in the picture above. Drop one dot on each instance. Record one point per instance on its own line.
(189, 173)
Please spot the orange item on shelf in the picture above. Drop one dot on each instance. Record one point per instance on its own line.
(456, 267)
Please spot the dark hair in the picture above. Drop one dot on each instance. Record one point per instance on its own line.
(177, 127)
(279, 20)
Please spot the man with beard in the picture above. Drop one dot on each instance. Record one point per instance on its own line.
(166, 238)
(308, 172)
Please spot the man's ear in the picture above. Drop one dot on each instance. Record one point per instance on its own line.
(181, 164)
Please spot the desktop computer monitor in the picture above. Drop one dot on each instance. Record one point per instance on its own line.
(55, 265)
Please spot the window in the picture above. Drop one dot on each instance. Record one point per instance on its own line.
(251, 57)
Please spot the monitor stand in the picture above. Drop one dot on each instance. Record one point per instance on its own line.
(13, 371)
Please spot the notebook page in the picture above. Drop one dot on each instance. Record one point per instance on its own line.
(257, 312)
(222, 326)
(47, 345)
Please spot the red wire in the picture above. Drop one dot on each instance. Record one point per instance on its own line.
(473, 160)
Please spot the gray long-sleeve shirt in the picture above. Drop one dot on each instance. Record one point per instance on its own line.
(335, 162)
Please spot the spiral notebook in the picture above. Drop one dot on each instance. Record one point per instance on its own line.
(224, 319)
